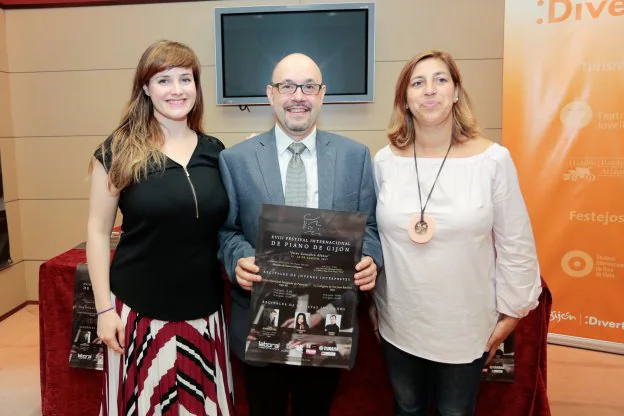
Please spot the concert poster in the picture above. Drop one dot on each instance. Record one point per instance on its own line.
(86, 348)
(502, 366)
(303, 312)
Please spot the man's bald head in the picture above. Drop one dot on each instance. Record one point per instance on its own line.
(298, 106)
(297, 64)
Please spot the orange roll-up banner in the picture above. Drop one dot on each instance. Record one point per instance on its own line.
(563, 122)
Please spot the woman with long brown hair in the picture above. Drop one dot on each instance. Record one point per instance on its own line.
(460, 262)
(159, 302)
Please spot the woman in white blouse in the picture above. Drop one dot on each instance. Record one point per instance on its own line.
(460, 262)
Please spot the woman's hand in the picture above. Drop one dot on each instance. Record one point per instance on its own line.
(111, 331)
(504, 327)
(246, 272)
(366, 275)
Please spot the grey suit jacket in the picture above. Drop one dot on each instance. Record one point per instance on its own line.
(251, 176)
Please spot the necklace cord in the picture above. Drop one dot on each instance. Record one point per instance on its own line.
(422, 209)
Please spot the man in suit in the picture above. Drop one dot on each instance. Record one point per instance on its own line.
(338, 175)
(332, 327)
(272, 319)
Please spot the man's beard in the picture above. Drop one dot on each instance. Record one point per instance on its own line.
(298, 126)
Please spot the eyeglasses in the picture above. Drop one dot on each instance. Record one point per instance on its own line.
(290, 88)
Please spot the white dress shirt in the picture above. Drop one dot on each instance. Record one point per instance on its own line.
(308, 157)
(441, 300)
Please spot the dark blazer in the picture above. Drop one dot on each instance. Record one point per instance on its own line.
(251, 175)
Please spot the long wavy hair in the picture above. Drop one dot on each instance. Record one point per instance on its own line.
(304, 323)
(401, 130)
(137, 141)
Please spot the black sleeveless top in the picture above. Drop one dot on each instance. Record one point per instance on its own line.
(165, 265)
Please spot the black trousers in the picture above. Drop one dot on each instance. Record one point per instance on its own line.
(311, 390)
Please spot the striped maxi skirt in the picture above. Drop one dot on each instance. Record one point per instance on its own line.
(169, 369)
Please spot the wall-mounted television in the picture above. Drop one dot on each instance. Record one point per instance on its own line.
(340, 37)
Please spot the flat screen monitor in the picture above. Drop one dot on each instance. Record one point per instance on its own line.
(340, 37)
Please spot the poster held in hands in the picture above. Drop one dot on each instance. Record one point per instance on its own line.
(303, 312)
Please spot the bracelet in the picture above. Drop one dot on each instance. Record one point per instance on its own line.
(105, 310)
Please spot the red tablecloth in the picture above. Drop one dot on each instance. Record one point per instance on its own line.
(65, 391)
(364, 391)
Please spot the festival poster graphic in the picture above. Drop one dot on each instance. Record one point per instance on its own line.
(563, 122)
(87, 350)
(304, 309)
(503, 365)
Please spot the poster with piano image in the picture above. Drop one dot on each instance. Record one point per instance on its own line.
(303, 311)
(87, 350)
(502, 366)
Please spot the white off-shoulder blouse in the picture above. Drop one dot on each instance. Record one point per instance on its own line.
(441, 300)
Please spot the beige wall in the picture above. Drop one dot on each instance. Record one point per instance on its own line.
(68, 84)
(12, 283)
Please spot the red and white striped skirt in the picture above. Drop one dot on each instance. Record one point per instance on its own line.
(169, 369)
